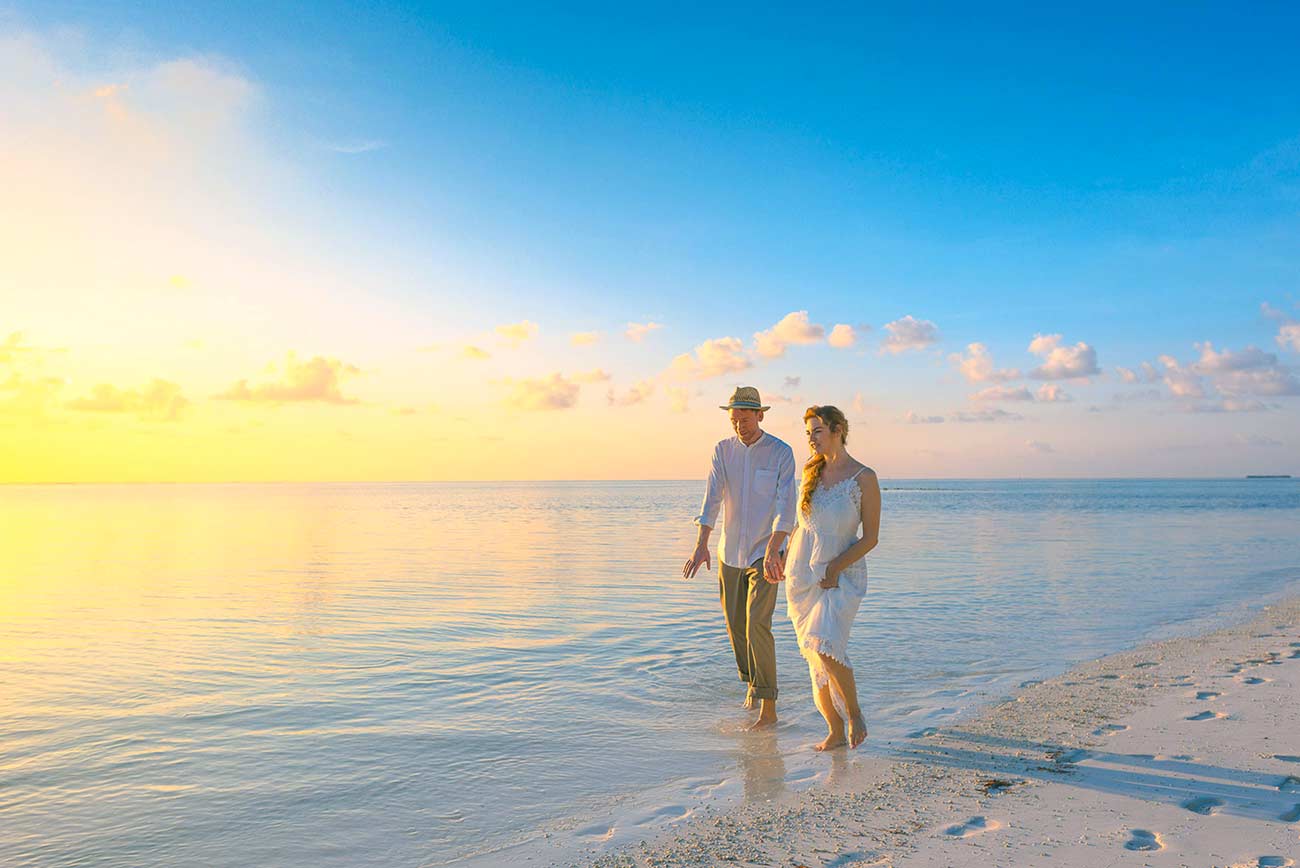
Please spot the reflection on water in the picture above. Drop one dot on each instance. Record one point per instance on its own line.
(284, 674)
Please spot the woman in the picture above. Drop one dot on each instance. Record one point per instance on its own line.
(826, 577)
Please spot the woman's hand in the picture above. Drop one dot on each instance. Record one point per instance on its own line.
(832, 578)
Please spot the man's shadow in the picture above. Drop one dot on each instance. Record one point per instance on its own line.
(1194, 786)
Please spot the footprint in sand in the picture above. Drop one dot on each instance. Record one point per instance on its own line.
(1290, 784)
(1265, 862)
(923, 733)
(1295, 654)
(1145, 665)
(1206, 715)
(1292, 815)
(1254, 679)
(666, 814)
(1109, 729)
(1144, 840)
(597, 832)
(1208, 694)
(973, 826)
(1287, 757)
(1205, 805)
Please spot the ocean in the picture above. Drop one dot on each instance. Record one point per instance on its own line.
(428, 674)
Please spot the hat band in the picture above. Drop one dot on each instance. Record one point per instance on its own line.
(745, 405)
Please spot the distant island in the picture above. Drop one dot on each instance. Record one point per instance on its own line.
(1268, 475)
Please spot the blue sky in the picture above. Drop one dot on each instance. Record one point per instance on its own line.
(1120, 174)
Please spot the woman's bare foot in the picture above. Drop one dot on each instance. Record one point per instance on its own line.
(857, 731)
(832, 741)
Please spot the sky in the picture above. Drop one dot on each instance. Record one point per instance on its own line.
(300, 242)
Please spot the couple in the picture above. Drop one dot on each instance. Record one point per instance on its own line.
(752, 483)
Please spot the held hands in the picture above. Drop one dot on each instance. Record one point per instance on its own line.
(693, 563)
(773, 565)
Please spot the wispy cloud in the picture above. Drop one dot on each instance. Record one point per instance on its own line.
(637, 394)
(598, 375)
(1003, 393)
(995, 415)
(912, 418)
(517, 334)
(584, 339)
(636, 331)
(360, 147)
(552, 392)
(469, 351)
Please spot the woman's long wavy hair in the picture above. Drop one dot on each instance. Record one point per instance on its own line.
(812, 471)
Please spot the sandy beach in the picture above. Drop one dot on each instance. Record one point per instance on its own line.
(1179, 752)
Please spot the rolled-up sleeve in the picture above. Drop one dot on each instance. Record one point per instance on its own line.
(786, 490)
(712, 504)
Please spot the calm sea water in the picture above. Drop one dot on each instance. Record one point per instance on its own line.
(414, 674)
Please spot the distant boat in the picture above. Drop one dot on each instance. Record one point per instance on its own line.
(1268, 475)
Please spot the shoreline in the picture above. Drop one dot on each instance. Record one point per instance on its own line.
(1179, 749)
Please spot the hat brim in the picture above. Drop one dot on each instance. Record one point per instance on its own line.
(742, 405)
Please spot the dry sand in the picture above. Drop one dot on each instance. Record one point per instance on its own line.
(1181, 752)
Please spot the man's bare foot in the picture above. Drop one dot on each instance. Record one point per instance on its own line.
(765, 721)
(857, 731)
(832, 741)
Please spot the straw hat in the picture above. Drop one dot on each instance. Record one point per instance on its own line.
(744, 398)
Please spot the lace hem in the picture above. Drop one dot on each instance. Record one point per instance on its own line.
(814, 646)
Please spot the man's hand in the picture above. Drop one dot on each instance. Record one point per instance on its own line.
(693, 563)
(773, 565)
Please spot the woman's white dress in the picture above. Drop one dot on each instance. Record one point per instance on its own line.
(823, 617)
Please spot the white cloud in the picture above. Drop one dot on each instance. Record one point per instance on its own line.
(913, 419)
(792, 330)
(909, 333)
(1288, 336)
(859, 404)
(1146, 373)
(472, 352)
(1050, 393)
(517, 334)
(977, 366)
(713, 358)
(584, 339)
(599, 375)
(1039, 446)
(1062, 362)
(1182, 382)
(842, 336)
(552, 392)
(792, 382)
(678, 398)
(160, 400)
(635, 395)
(637, 330)
(1230, 405)
(1003, 393)
(317, 379)
(1212, 362)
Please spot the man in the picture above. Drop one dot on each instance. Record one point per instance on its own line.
(752, 482)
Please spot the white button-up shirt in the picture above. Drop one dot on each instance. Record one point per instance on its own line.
(754, 487)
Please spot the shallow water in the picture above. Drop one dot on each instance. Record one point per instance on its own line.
(414, 673)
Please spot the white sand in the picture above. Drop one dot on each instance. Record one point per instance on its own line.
(1183, 752)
